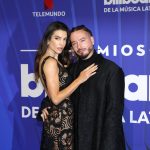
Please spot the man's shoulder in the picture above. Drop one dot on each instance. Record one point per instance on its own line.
(109, 64)
(111, 69)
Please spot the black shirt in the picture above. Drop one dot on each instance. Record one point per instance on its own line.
(98, 106)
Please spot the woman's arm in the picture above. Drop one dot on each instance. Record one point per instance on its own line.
(51, 71)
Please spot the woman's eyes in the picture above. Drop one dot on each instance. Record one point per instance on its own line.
(57, 38)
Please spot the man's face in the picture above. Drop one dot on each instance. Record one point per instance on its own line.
(82, 43)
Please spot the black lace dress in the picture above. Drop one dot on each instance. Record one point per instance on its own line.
(57, 131)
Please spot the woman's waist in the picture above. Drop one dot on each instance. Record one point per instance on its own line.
(48, 101)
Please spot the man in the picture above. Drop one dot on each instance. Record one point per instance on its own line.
(99, 102)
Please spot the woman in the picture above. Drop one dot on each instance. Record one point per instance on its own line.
(56, 109)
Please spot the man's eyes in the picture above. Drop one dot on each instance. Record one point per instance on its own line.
(73, 44)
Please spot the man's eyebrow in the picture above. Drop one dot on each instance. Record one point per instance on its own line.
(73, 42)
(82, 38)
(79, 39)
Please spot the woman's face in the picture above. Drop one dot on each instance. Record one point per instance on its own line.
(57, 41)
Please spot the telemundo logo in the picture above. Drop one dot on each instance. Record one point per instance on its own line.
(125, 2)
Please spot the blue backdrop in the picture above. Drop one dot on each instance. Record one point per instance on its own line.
(122, 33)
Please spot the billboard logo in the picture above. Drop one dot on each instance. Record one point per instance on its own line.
(48, 4)
(120, 2)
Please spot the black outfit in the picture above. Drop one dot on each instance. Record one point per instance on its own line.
(98, 106)
(58, 128)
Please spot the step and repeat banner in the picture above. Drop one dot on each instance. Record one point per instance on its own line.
(122, 34)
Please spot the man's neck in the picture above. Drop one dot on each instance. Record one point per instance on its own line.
(90, 55)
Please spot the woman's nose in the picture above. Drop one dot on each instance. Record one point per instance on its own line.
(62, 42)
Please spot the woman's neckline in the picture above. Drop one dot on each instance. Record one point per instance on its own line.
(55, 59)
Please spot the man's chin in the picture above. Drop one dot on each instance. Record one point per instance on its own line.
(82, 56)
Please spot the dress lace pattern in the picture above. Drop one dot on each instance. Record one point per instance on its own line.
(58, 128)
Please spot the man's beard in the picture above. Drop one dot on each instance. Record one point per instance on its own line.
(85, 56)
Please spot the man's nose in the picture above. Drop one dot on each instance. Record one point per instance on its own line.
(79, 45)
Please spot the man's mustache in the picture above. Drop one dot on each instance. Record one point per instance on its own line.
(80, 50)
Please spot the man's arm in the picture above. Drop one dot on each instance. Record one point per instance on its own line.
(113, 137)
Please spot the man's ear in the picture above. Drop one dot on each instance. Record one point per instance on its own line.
(92, 39)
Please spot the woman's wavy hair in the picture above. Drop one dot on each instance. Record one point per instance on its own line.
(63, 57)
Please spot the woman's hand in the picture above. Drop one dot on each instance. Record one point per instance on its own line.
(87, 73)
(44, 114)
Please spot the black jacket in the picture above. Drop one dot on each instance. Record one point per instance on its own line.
(98, 106)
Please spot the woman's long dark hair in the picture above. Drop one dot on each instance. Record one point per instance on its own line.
(63, 57)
